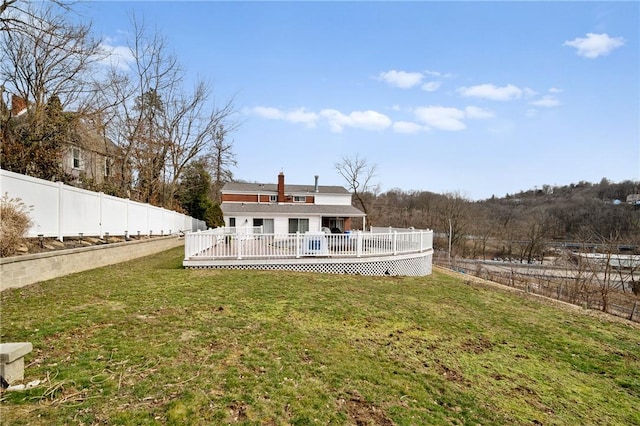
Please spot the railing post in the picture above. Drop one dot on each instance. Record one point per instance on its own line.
(395, 242)
(298, 245)
(359, 244)
(239, 244)
(421, 241)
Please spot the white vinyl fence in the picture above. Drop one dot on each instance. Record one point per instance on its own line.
(60, 211)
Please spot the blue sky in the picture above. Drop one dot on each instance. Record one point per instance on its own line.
(480, 98)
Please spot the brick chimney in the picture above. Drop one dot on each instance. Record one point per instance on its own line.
(281, 187)
(18, 104)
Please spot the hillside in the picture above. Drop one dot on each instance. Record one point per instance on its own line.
(589, 212)
(147, 342)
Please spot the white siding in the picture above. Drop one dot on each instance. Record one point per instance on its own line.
(333, 200)
(280, 223)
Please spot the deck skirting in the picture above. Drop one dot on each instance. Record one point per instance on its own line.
(408, 264)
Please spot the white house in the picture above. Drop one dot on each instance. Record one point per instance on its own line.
(281, 208)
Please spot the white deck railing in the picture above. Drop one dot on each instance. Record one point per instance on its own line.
(226, 243)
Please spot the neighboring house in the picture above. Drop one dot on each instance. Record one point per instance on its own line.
(92, 157)
(87, 156)
(633, 199)
(281, 209)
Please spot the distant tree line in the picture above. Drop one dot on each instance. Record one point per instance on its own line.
(168, 139)
(517, 225)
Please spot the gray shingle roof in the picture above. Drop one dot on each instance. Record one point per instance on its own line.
(289, 209)
(289, 189)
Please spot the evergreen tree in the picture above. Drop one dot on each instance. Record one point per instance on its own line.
(193, 194)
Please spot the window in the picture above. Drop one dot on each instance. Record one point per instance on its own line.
(266, 224)
(77, 160)
(273, 198)
(298, 225)
(299, 199)
(232, 222)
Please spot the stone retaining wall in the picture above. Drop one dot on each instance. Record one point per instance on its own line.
(19, 271)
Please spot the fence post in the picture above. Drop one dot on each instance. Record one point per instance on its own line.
(633, 311)
(101, 213)
(60, 211)
(298, 245)
(359, 244)
(239, 240)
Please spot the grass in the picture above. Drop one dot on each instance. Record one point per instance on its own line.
(147, 342)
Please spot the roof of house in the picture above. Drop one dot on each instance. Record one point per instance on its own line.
(289, 209)
(90, 139)
(272, 187)
(83, 135)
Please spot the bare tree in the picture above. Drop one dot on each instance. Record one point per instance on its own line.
(47, 64)
(222, 158)
(21, 15)
(536, 228)
(159, 125)
(600, 264)
(359, 175)
(50, 56)
(454, 213)
(195, 127)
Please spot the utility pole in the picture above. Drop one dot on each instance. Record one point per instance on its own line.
(450, 230)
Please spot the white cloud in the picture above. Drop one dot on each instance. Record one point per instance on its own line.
(300, 115)
(443, 118)
(477, 113)
(401, 79)
(119, 57)
(595, 45)
(546, 101)
(268, 113)
(433, 73)
(494, 93)
(555, 90)
(367, 120)
(407, 127)
(431, 86)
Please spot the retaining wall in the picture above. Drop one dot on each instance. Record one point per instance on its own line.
(19, 271)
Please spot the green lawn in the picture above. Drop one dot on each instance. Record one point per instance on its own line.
(147, 342)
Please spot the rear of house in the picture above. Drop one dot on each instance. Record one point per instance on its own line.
(281, 208)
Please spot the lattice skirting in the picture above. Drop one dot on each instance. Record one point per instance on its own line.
(417, 264)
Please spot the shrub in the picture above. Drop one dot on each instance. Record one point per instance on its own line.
(14, 224)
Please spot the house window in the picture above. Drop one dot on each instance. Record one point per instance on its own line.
(298, 225)
(232, 222)
(76, 158)
(273, 198)
(299, 199)
(265, 224)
